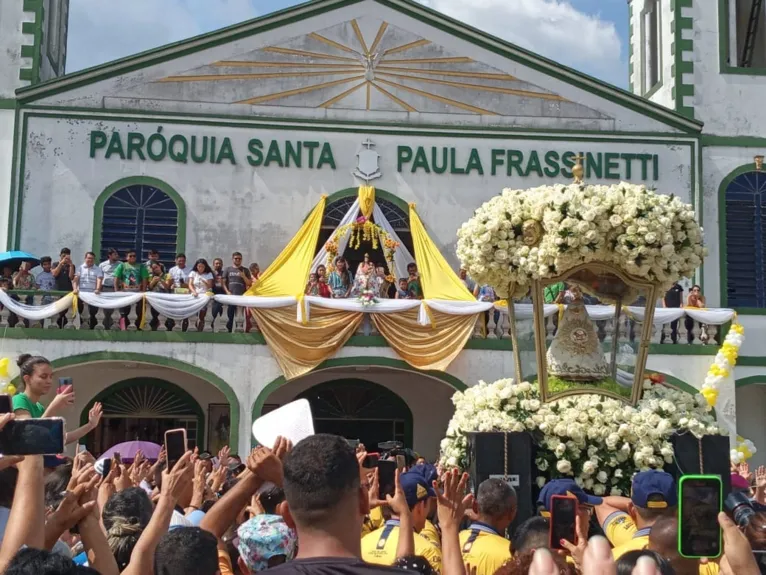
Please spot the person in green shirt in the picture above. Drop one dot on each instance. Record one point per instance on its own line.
(551, 292)
(133, 276)
(37, 376)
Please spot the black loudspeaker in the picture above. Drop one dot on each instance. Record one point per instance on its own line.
(487, 458)
(714, 450)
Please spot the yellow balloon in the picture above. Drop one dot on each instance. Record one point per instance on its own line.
(11, 389)
(4, 366)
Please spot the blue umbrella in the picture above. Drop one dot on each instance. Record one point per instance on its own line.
(15, 258)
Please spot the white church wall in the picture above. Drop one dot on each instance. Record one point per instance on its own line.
(257, 209)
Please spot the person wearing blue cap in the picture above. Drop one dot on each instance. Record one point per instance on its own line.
(430, 531)
(628, 521)
(379, 547)
(483, 544)
(567, 488)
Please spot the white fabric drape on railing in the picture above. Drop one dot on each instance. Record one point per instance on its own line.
(351, 215)
(36, 312)
(402, 256)
(184, 306)
(662, 315)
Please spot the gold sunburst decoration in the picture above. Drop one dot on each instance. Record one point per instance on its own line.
(355, 65)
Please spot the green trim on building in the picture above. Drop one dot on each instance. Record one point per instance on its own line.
(751, 361)
(12, 196)
(734, 141)
(750, 380)
(724, 67)
(408, 7)
(397, 364)
(34, 50)
(678, 46)
(98, 208)
(20, 187)
(723, 274)
(631, 68)
(171, 388)
(191, 369)
(8, 103)
(675, 382)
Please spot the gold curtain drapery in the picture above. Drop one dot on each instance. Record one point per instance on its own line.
(299, 348)
(425, 347)
(366, 200)
(437, 279)
(287, 275)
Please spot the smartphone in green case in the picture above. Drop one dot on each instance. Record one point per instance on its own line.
(700, 500)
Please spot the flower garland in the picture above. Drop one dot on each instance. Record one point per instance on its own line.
(362, 230)
(539, 233)
(367, 298)
(597, 440)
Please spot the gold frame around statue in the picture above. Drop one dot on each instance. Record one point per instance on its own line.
(538, 302)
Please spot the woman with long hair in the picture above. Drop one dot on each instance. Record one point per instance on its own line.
(36, 376)
(341, 279)
(201, 282)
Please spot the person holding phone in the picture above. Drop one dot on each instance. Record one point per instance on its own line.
(483, 544)
(380, 546)
(37, 377)
(627, 522)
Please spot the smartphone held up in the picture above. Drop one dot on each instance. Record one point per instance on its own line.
(700, 500)
(175, 445)
(44, 436)
(563, 521)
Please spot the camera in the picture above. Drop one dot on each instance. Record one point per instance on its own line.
(390, 449)
(740, 508)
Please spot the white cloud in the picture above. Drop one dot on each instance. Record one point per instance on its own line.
(551, 28)
(100, 31)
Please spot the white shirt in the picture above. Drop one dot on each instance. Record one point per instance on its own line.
(199, 281)
(180, 276)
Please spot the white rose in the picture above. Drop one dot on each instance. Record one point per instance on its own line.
(602, 476)
(540, 481)
(563, 466)
(599, 489)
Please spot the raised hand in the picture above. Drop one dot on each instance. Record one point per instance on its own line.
(744, 471)
(266, 465)
(398, 503)
(373, 492)
(578, 551)
(451, 502)
(282, 447)
(223, 456)
(62, 401)
(94, 415)
(175, 482)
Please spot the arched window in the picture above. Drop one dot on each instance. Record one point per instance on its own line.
(359, 409)
(140, 216)
(745, 199)
(398, 218)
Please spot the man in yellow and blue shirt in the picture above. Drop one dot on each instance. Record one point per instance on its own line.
(483, 544)
(627, 522)
(380, 546)
(429, 531)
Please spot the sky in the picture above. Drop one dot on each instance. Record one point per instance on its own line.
(588, 35)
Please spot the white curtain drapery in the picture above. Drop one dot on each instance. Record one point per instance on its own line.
(402, 256)
(351, 215)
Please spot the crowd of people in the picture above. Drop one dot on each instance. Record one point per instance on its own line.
(318, 507)
(131, 275)
(315, 508)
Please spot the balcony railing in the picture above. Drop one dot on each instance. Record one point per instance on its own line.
(220, 318)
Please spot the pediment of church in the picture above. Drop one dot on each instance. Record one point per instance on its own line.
(370, 60)
(366, 64)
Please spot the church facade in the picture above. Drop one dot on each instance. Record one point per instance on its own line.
(225, 142)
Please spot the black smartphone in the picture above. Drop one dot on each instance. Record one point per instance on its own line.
(107, 467)
(563, 521)
(33, 437)
(6, 405)
(386, 478)
(65, 381)
(700, 502)
(371, 461)
(175, 445)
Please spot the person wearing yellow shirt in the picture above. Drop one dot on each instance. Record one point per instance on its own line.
(429, 473)
(663, 539)
(483, 544)
(379, 547)
(653, 495)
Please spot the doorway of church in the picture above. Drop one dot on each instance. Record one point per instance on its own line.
(143, 409)
(360, 409)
